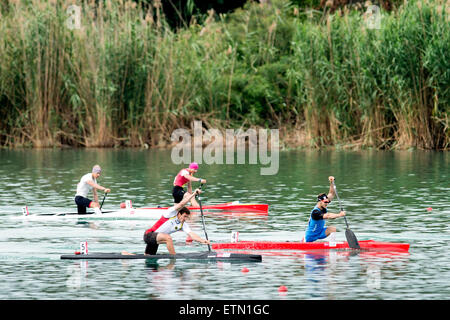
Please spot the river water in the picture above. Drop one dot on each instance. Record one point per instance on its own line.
(396, 196)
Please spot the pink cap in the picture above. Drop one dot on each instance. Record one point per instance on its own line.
(193, 165)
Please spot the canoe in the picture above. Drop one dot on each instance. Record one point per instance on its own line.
(204, 256)
(307, 246)
(228, 206)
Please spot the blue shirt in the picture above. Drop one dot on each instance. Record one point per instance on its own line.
(316, 223)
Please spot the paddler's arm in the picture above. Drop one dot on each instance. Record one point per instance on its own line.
(186, 200)
(333, 215)
(97, 186)
(331, 191)
(197, 238)
(95, 195)
(194, 179)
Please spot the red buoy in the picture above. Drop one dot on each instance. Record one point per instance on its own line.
(244, 269)
(282, 289)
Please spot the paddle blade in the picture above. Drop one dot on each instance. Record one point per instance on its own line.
(351, 239)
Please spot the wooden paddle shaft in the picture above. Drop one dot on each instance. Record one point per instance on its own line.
(203, 218)
(351, 238)
(340, 205)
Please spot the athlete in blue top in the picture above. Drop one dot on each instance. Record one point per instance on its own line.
(316, 225)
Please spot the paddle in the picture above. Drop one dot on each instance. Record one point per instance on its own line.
(351, 238)
(103, 201)
(203, 218)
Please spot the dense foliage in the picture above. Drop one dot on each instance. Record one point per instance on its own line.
(126, 78)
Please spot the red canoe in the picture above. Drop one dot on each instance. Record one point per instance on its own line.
(306, 246)
(231, 206)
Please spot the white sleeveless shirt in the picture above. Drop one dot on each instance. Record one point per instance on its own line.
(82, 187)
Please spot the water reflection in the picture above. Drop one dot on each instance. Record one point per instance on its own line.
(324, 270)
(88, 224)
(77, 275)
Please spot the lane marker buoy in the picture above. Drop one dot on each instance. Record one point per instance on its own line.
(282, 289)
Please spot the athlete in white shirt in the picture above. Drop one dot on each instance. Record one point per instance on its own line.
(87, 183)
(172, 220)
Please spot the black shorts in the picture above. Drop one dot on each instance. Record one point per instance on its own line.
(82, 204)
(152, 244)
(178, 194)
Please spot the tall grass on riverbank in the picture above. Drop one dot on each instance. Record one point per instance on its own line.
(387, 87)
(126, 79)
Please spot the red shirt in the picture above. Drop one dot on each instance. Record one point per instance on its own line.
(180, 180)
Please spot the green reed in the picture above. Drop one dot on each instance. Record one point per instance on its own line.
(126, 79)
(377, 87)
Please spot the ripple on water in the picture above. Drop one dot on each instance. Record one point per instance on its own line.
(386, 196)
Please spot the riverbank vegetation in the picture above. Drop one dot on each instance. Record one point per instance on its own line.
(124, 78)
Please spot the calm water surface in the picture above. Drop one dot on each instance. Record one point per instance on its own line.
(385, 194)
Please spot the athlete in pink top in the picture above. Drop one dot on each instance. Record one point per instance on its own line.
(185, 176)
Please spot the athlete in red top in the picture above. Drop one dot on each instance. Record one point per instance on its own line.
(185, 175)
